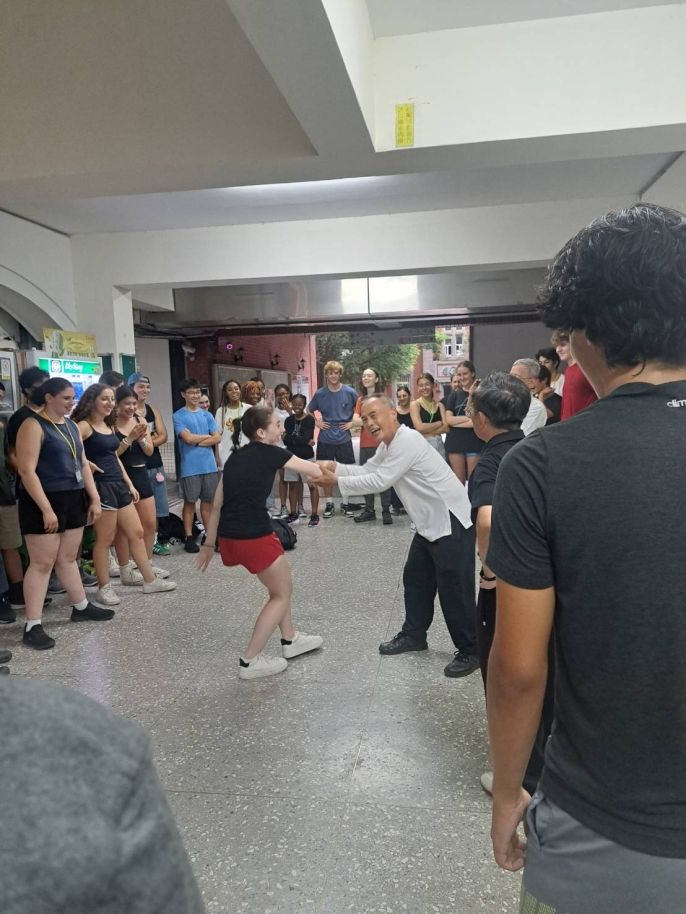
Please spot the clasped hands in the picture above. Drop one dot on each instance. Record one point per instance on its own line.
(328, 477)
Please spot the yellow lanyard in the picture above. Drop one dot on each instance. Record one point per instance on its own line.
(68, 440)
(431, 412)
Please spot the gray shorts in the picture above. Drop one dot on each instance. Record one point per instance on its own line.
(292, 476)
(202, 487)
(573, 870)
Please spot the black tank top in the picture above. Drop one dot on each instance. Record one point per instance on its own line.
(101, 449)
(57, 467)
(405, 419)
(133, 456)
(155, 459)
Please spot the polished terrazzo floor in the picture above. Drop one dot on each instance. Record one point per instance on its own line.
(349, 783)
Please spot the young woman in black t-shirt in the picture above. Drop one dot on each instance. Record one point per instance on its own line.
(246, 538)
(461, 444)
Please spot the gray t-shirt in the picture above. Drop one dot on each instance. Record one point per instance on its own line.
(86, 828)
(596, 508)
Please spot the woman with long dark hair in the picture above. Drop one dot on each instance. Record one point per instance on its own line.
(117, 494)
(246, 538)
(461, 443)
(403, 398)
(135, 446)
(57, 498)
(428, 414)
(370, 384)
(228, 417)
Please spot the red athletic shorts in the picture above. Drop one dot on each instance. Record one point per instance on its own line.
(255, 554)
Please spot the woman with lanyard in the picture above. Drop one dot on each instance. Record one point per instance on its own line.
(117, 494)
(428, 416)
(461, 443)
(228, 417)
(57, 498)
(135, 445)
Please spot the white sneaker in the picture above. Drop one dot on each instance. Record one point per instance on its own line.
(261, 666)
(487, 782)
(130, 576)
(106, 596)
(158, 586)
(301, 644)
(160, 572)
(114, 566)
(301, 511)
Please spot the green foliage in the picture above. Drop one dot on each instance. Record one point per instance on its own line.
(390, 361)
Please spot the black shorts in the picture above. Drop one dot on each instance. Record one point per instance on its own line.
(114, 493)
(70, 506)
(141, 481)
(341, 453)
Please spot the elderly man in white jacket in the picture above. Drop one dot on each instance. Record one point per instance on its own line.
(442, 553)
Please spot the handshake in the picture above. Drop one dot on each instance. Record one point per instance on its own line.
(328, 477)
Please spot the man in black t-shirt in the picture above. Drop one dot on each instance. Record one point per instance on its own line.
(589, 522)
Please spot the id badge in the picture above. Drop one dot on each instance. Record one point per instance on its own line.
(79, 474)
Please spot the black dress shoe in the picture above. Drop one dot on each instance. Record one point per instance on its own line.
(386, 517)
(461, 665)
(365, 516)
(400, 643)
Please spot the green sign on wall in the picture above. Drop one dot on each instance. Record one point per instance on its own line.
(68, 366)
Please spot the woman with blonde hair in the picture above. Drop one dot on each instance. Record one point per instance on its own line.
(428, 414)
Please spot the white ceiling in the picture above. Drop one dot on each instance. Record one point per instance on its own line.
(406, 17)
(527, 183)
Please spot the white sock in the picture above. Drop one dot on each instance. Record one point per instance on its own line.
(31, 622)
(82, 604)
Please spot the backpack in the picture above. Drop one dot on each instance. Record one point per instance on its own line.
(286, 534)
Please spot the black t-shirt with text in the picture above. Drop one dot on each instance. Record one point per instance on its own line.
(481, 484)
(247, 479)
(596, 507)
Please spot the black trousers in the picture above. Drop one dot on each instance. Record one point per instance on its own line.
(485, 632)
(445, 566)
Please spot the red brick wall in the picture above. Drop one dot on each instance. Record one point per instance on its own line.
(258, 352)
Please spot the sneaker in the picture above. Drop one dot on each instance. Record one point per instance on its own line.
(160, 572)
(114, 566)
(38, 639)
(55, 586)
(398, 511)
(293, 519)
(87, 579)
(486, 781)
(351, 509)
(161, 548)
(130, 576)
(314, 521)
(190, 545)
(7, 613)
(91, 614)
(461, 665)
(365, 516)
(401, 643)
(261, 666)
(106, 596)
(158, 586)
(386, 518)
(279, 512)
(5, 656)
(301, 511)
(300, 644)
(329, 509)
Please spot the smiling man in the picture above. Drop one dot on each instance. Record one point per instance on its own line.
(442, 553)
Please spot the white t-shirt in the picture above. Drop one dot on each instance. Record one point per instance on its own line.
(225, 416)
(283, 414)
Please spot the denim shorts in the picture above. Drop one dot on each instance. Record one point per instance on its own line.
(159, 491)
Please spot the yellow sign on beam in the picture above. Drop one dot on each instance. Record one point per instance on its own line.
(404, 125)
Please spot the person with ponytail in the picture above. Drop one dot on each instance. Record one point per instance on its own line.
(240, 519)
(57, 498)
(94, 415)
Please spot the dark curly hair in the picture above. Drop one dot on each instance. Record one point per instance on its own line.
(86, 404)
(622, 280)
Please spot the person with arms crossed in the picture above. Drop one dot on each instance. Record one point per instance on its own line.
(441, 556)
(607, 824)
(197, 434)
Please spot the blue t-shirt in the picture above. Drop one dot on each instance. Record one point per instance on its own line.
(336, 406)
(195, 460)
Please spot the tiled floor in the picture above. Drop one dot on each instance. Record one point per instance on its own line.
(349, 783)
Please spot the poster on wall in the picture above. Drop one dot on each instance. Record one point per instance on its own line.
(65, 344)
